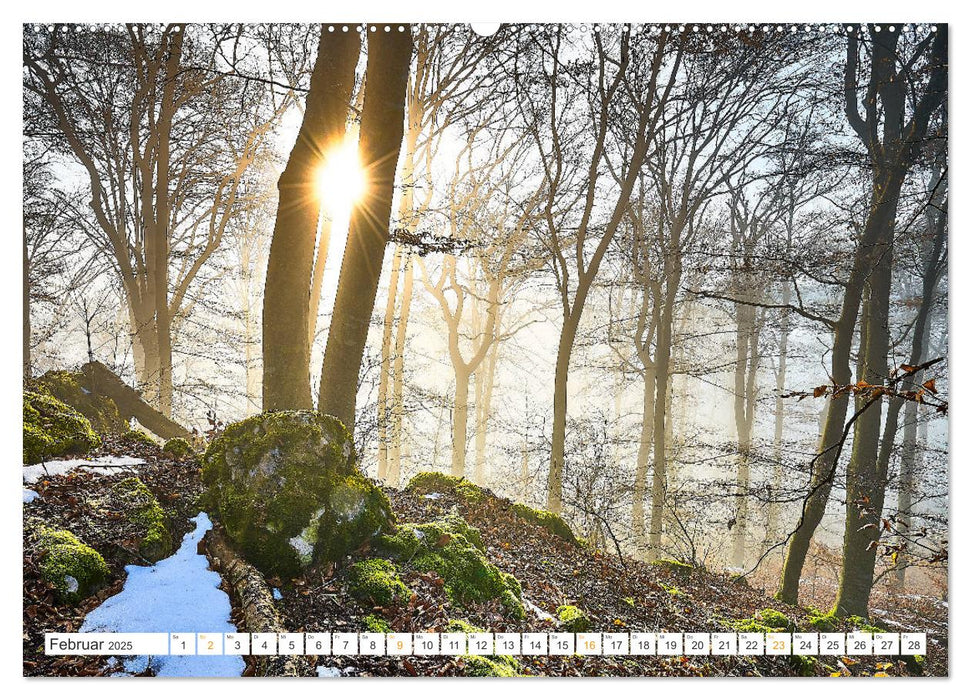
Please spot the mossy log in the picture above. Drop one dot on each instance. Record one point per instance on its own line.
(101, 380)
(254, 599)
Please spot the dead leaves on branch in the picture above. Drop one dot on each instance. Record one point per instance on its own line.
(926, 394)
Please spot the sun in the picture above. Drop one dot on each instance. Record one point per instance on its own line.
(341, 181)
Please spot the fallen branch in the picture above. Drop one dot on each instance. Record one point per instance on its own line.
(253, 597)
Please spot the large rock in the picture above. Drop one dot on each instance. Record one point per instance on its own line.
(54, 429)
(285, 485)
(70, 388)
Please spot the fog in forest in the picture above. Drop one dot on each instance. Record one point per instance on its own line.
(687, 289)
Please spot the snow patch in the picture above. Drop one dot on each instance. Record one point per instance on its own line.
(29, 496)
(277, 595)
(434, 496)
(98, 465)
(328, 672)
(178, 594)
(536, 610)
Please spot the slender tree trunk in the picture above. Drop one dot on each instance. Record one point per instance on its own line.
(317, 279)
(26, 311)
(643, 459)
(398, 374)
(662, 362)
(287, 297)
(382, 129)
(879, 224)
(460, 422)
(483, 471)
(865, 480)
(772, 512)
(385, 375)
(554, 487)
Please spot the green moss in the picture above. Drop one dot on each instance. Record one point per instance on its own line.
(53, 429)
(139, 437)
(491, 666)
(373, 623)
(131, 494)
(674, 567)
(75, 569)
(69, 388)
(824, 622)
(545, 519)
(436, 482)
(376, 581)
(774, 619)
(454, 550)
(629, 601)
(573, 619)
(178, 447)
(459, 625)
(286, 487)
(804, 666)
(861, 625)
(671, 590)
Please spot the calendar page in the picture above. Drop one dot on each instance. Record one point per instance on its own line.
(357, 349)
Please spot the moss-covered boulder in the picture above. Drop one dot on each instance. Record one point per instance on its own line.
(573, 619)
(75, 569)
(139, 437)
(376, 581)
(177, 447)
(436, 482)
(151, 525)
(53, 429)
(453, 549)
(285, 485)
(545, 519)
(69, 387)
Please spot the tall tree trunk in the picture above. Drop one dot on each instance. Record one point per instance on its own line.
(772, 512)
(662, 364)
(460, 422)
(643, 459)
(26, 312)
(398, 374)
(317, 280)
(385, 370)
(382, 129)
(286, 300)
(483, 406)
(554, 486)
(880, 219)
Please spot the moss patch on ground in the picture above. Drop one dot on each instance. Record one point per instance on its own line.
(765, 621)
(286, 487)
(75, 569)
(674, 567)
(155, 540)
(573, 619)
(69, 388)
(376, 581)
(453, 549)
(54, 429)
(373, 623)
(552, 522)
(177, 447)
(436, 482)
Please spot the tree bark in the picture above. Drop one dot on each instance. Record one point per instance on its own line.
(287, 301)
(382, 129)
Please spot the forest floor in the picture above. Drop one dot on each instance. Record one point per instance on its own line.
(621, 595)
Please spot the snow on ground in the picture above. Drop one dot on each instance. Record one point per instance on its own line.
(328, 672)
(178, 594)
(100, 465)
(29, 495)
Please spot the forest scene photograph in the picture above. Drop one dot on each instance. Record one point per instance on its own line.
(382, 349)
